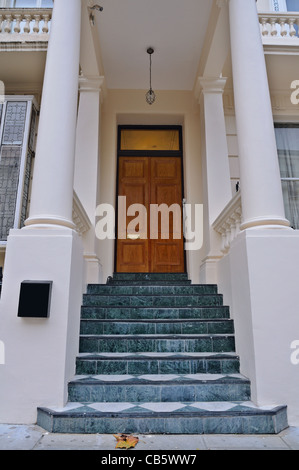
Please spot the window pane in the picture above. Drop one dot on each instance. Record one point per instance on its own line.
(287, 138)
(10, 161)
(150, 139)
(47, 3)
(290, 190)
(33, 3)
(293, 5)
(14, 125)
(25, 3)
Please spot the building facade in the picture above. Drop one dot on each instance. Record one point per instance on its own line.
(73, 113)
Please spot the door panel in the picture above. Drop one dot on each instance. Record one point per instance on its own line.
(133, 255)
(167, 252)
(152, 181)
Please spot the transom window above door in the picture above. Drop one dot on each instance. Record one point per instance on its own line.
(150, 139)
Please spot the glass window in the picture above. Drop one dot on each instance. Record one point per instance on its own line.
(33, 3)
(287, 138)
(14, 126)
(292, 5)
(150, 139)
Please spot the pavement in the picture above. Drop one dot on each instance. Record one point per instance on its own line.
(32, 437)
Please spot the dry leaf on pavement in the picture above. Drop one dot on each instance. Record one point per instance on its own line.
(125, 441)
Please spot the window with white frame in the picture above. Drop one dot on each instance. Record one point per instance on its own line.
(17, 139)
(287, 139)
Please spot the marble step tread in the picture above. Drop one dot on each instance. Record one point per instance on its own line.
(157, 343)
(194, 300)
(159, 388)
(149, 276)
(153, 313)
(196, 289)
(157, 326)
(159, 336)
(235, 417)
(157, 363)
(157, 355)
(170, 379)
(161, 282)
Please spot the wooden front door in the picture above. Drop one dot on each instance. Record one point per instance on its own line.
(156, 242)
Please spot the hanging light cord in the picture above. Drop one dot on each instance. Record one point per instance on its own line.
(150, 96)
(150, 72)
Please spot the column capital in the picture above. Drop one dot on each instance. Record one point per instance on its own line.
(91, 83)
(95, 83)
(209, 85)
(212, 84)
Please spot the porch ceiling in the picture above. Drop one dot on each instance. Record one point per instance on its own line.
(174, 28)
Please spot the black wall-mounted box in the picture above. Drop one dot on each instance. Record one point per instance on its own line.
(35, 299)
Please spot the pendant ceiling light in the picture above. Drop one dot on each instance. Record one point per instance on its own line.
(150, 96)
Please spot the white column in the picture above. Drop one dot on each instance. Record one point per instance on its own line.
(217, 184)
(262, 199)
(52, 191)
(88, 143)
(41, 353)
(87, 164)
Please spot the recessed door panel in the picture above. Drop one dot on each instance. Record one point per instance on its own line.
(154, 238)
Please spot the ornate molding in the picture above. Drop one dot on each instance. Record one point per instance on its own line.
(229, 221)
(80, 217)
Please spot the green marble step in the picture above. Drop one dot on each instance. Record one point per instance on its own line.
(157, 418)
(139, 313)
(152, 327)
(153, 300)
(199, 289)
(119, 282)
(159, 388)
(157, 343)
(150, 277)
(157, 363)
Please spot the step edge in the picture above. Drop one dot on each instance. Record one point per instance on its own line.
(172, 414)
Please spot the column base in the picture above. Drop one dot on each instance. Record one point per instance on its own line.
(269, 223)
(40, 353)
(49, 222)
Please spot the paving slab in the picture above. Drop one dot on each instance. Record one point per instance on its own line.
(238, 442)
(32, 437)
(291, 437)
(19, 437)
